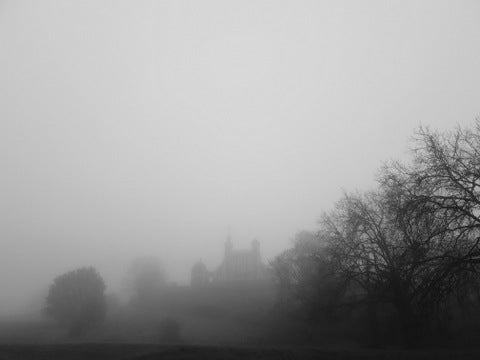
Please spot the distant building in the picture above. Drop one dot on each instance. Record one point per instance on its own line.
(200, 275)
(237, 266)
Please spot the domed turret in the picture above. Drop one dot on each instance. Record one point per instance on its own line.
(200, 275)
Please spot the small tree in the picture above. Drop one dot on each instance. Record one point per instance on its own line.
(145, 277)
(76, 300)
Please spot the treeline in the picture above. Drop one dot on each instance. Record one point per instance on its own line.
(405, 255)
(395, 265)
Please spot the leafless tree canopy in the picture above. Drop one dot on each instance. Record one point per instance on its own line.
(412, 243)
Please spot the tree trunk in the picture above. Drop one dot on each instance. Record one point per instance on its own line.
(373, 323)
(409, 325)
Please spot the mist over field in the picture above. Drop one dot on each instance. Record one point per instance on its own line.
(160, 145)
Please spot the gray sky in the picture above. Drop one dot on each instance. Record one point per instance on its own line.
(141, 127)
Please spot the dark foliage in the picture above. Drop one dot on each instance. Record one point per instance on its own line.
(76, 300)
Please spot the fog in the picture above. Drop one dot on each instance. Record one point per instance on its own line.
(158, 128)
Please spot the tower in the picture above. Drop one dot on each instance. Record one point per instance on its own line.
(256, 247)
(256, 259)
(228, 246)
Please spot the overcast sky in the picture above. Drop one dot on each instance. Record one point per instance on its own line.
(140, 127)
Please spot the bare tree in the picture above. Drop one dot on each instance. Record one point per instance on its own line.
(412, 243)
(306, 284)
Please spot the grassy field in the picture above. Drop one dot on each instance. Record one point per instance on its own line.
(151, 352)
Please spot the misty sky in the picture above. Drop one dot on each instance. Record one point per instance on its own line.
(141, 127)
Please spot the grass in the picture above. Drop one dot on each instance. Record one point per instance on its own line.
(151, 352)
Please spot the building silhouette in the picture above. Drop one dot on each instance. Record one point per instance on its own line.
(243, 265)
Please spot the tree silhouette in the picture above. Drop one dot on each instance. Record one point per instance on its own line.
(413, 243)
(76, 300)
(145, 277)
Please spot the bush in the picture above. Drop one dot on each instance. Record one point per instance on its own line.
(169, 330)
